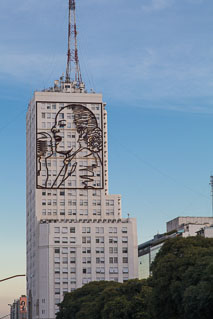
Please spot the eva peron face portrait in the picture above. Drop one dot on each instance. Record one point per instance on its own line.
(69, 146)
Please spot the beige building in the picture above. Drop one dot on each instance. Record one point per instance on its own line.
(188, 226)
(180, 226)
(75, 230)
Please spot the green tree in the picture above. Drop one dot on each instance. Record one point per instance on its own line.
(107, 300)
(182, 279)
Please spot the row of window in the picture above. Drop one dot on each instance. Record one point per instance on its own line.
(88, 270)
(87, 260)
(62, 212)
(53, 106)
(72, 192)
(87, 240)
(87, 250)
(98, 230)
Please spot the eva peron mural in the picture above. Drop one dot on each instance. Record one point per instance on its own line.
(70, 147)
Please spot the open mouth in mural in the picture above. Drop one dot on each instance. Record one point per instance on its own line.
(58, 138)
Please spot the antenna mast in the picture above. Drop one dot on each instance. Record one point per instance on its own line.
(211, 184)
(72, 52)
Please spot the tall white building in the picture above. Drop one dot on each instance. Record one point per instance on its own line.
(75, 230)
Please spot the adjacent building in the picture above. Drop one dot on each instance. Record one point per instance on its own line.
(180, 226)
(18, 309)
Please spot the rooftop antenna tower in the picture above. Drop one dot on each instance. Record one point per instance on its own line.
(211, 183)
(72, 52)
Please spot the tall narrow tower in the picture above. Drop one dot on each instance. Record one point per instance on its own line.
(211, 184)
(75, 230)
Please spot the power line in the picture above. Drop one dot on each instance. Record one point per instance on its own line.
(164, 174)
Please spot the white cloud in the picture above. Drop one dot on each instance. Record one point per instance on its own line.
(155, 5)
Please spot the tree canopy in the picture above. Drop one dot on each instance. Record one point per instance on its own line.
(181, 286)
(182, 279)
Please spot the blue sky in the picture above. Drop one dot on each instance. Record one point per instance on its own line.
(153, 62)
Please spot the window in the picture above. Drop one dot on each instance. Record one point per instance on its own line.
(110, 212)
(97, 212)
(125, 260)
(56, 229)
(57, 240)
(72, 250)
(113, 230)
(86, 270)
(72, 270)
(57, 291)
(86, 240)
(86, 230)
(72, 260)
(100, 260)
(99, 230)
(86, 250)
(57, 269)
(57, 250)
(125, 270)
(64, 230)
(72, 202)
(44, 212)
(72, 211)
(57, 260)
(99, 250)
(113, 270)
(124, 250)
(72, 240)
(124, 239)
(86, 260)
(100, 270)
(113, 240)
(86, 280)
(113, 250)
(84, 212)
(72, 230)
(65, 240)
(65, 250)
(109, 202)
(99, 240)
(113, 260)
(124, 230)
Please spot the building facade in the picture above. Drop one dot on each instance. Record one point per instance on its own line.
(18, 309)
(180, 226)
(75, 230)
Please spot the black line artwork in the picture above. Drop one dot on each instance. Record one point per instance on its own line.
(83, 159)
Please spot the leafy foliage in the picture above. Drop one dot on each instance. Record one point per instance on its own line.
(181, 286)
(106, 300)
(182, 279)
